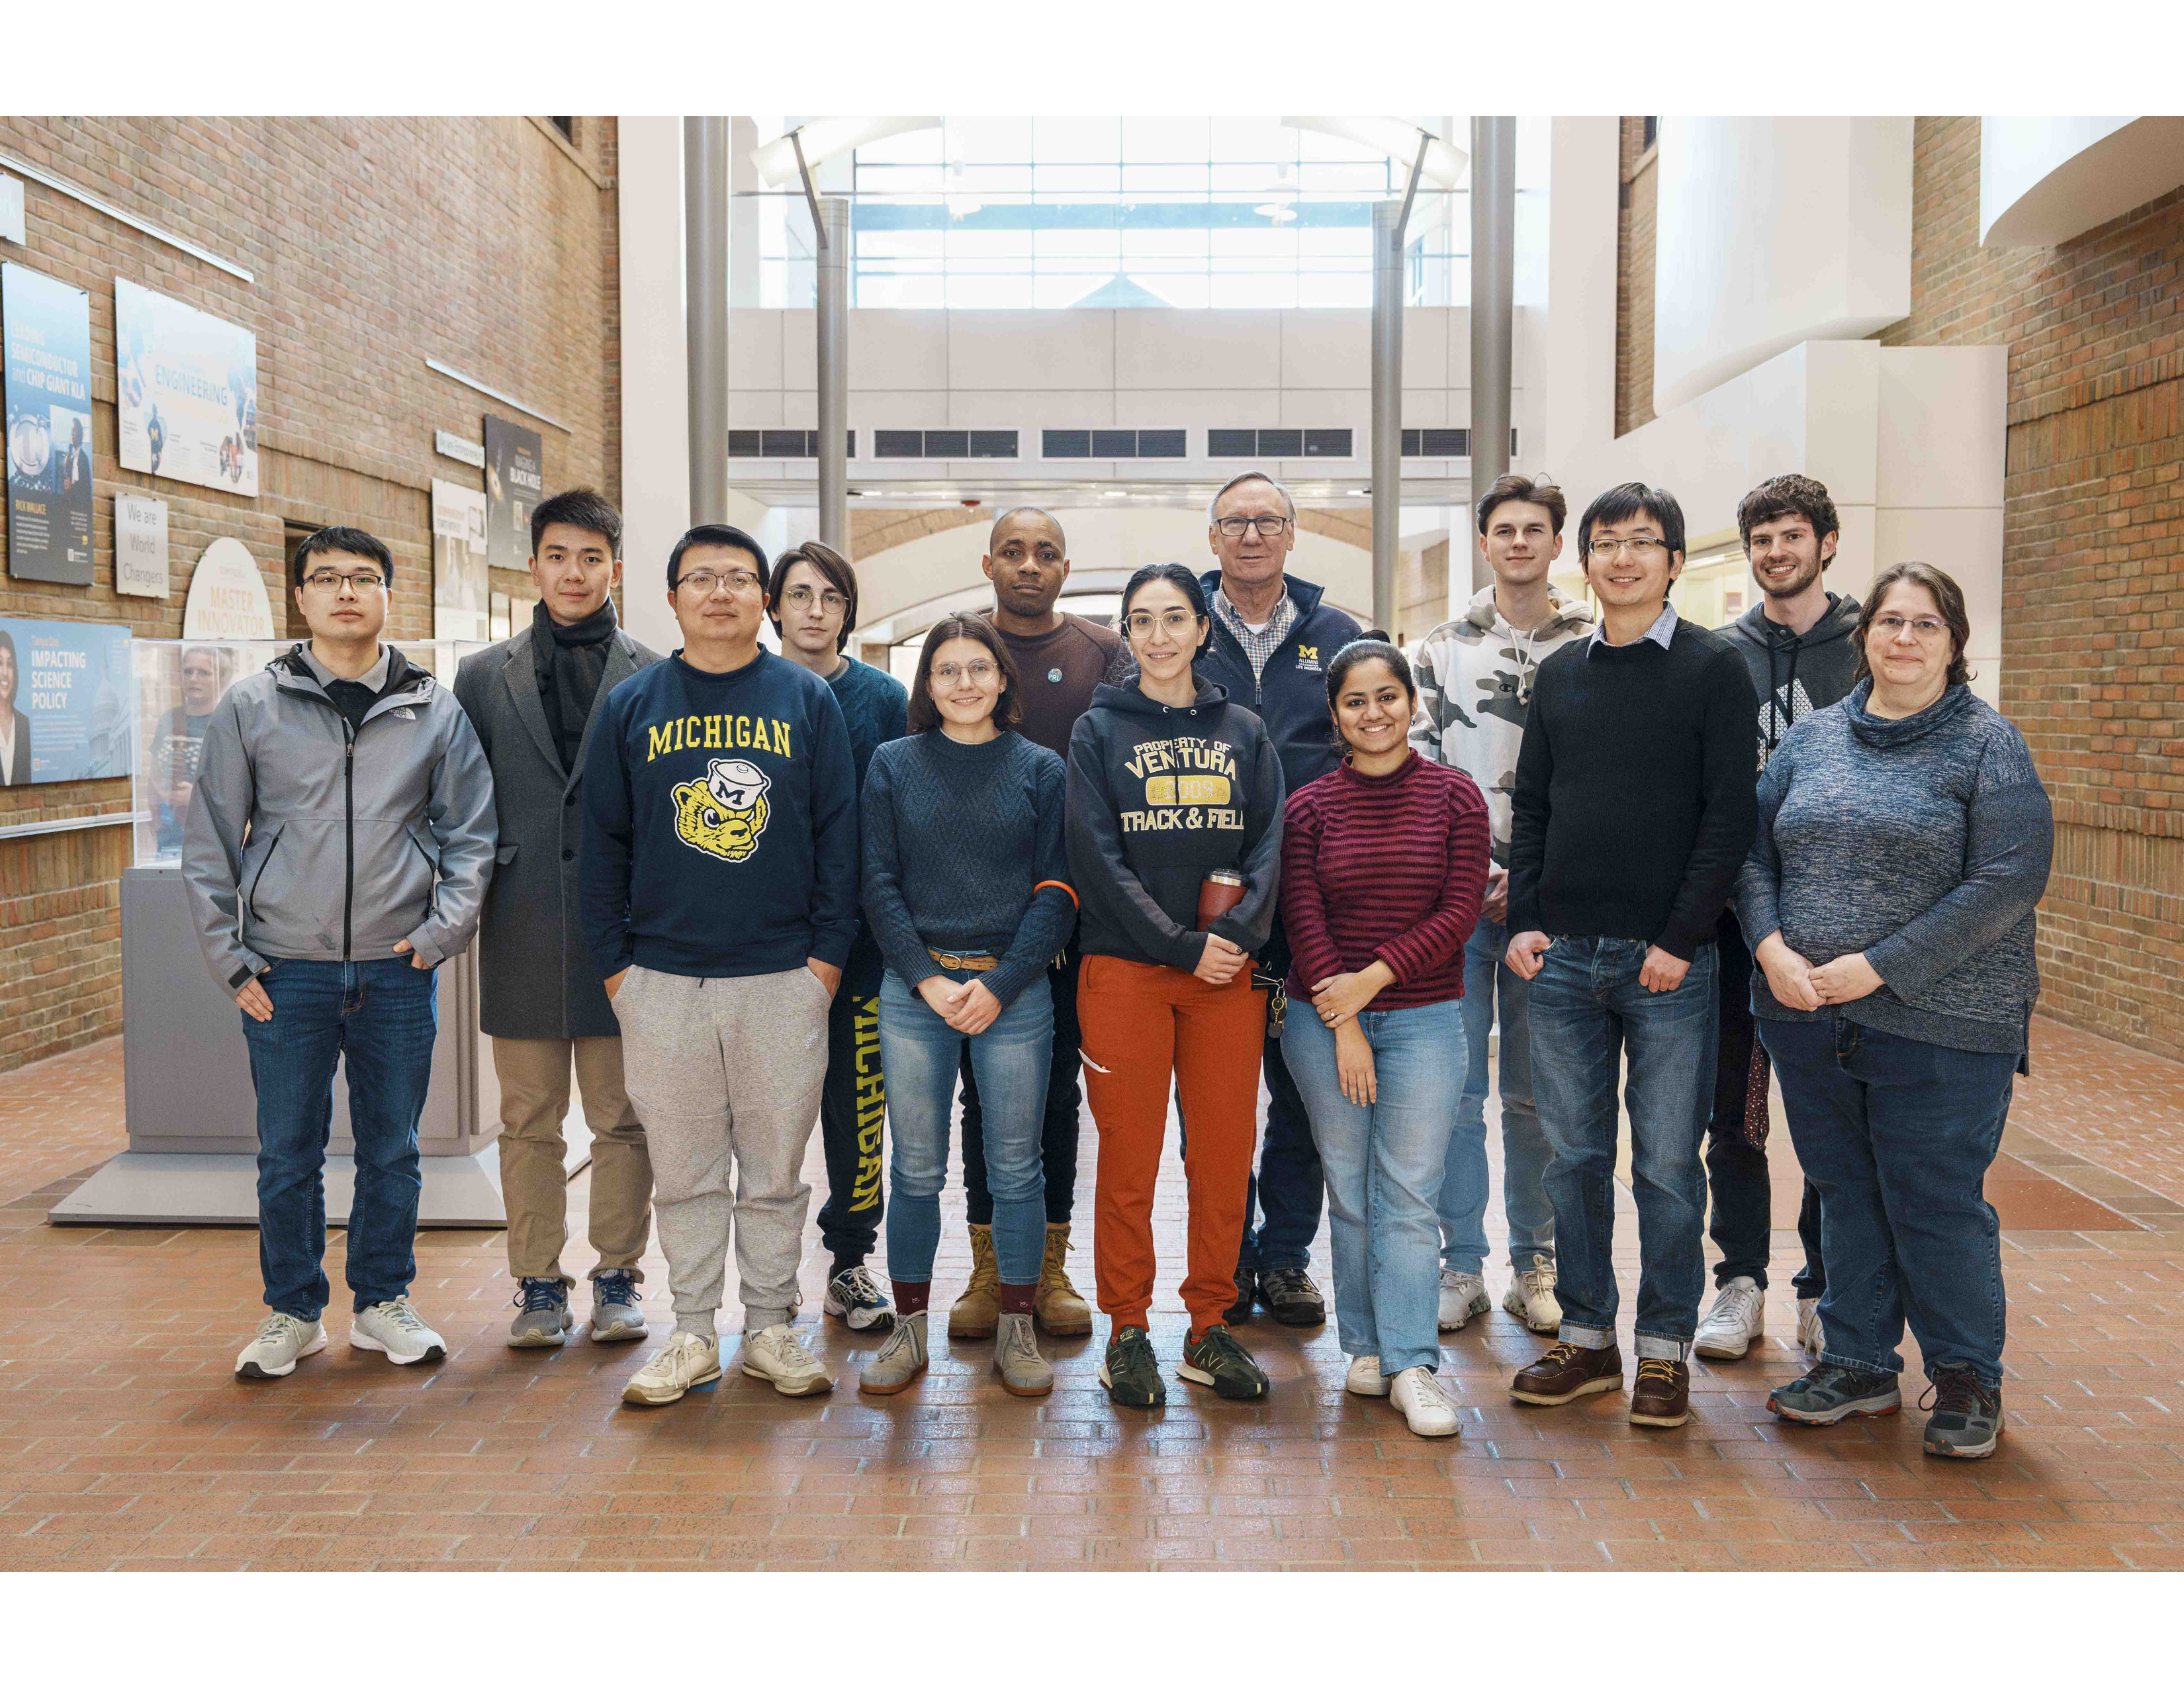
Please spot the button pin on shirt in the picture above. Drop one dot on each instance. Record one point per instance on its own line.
(1054, 677)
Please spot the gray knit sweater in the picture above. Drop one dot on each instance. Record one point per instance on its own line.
(1923, 843)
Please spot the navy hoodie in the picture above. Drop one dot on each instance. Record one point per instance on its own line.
(1290, 693)
(720, 822)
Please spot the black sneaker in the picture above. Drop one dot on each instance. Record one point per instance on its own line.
(1130, 1374)
(1292, 1297)
(1247, 1294)
(1218, 1359)
(1830, 1393)
(855, 1299)
(1967, 1417)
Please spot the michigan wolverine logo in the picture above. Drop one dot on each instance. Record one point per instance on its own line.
(723, 814)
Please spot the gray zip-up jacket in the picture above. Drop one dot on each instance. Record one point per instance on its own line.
(309, 842)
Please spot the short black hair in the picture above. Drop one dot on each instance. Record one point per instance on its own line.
(1633, 498)
(715, 533)
(1524, 490)
(353, 541)
(831, 567)
(1787, 495)
(579, 507)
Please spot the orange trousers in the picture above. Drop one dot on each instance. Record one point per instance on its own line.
(1142, 1024)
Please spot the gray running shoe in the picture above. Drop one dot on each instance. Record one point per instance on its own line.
(855, 1299)
(900, 1362)
(541, 1318)
(614, 1316)
(281, 1340)
(393, 1328)
(1023, 1369)
(1967, 1419)
(1829, 1394)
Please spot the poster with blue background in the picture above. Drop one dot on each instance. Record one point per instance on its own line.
(45, 337)
(65, 701)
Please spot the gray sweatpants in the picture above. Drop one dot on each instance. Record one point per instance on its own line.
(726, 1075)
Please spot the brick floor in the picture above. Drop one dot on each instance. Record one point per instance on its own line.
(125, 1441)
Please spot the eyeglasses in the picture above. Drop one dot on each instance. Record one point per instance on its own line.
(981, 673)
(706, 580)
(1645, 548)
(333, 580)
(1175, 623)
(1268, 526)
(1925, 627)
(800, 598)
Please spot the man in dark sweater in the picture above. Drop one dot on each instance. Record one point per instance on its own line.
(1273, 639)
(1797, 644)
(720, 896)
(1632, 815)
(812, 600)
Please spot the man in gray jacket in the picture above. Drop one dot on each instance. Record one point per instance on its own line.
(533, 698)
(338, 849)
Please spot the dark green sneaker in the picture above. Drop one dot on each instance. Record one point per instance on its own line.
(1130, 1374)
(1829, 1394)
(1967, 1419)
(1218, 1359)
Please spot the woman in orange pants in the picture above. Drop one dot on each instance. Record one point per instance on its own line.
(1171, 785)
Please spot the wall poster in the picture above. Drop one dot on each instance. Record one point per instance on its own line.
(65, 701)
(188, 386)
(460, 593)
(515, 483)
(46, 326)
(140, 545)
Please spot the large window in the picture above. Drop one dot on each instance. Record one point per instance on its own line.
(1046, 213)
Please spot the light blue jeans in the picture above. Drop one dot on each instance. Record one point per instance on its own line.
(1524, 1152)
(1383, 1172)
(919, 1052)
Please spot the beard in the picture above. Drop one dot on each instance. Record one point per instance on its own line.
(1805, 576)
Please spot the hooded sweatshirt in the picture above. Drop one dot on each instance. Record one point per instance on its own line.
(1474, 677)
(1795, 673)
(1160, 796)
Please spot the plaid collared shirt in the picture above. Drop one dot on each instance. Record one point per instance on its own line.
(1260, 646)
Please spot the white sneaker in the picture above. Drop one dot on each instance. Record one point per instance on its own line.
(1463, 1298)
(1809, 1337)
(281, 1341)
(1531, 1296)
(689, 1361)
(1733, 1324)
(1365, 1377)
(777, 1353)
(1425, 1406)
(393, 1328)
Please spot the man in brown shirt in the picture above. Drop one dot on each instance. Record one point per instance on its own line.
(1060, 658)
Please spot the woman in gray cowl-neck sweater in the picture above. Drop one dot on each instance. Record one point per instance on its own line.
(1904, 840)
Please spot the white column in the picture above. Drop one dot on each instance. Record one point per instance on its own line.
(655, 424)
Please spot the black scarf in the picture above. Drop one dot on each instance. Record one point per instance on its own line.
(571, 661)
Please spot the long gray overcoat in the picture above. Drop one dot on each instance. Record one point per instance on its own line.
(537, 979)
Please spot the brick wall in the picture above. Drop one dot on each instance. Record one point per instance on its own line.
(486, 243)
(1634, 275)
(2092, 567)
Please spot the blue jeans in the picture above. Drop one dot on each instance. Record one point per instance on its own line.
(1383, 1172)
(378, 1018)
(1524, 1151)
(919, 1052)
(1897, 1135)
(1588, 1010)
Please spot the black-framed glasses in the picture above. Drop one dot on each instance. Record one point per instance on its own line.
(1268, 526)
(708, 580)
(333, 580)
(1644, 547)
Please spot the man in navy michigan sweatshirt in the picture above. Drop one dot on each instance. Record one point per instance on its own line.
(719, 882)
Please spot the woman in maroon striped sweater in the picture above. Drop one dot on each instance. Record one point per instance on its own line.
(1383, 866)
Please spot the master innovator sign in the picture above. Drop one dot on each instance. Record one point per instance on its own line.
(45, 337)
(188, 388)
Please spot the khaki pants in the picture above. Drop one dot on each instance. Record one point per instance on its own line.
(534, 1102)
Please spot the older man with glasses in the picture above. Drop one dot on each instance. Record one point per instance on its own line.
(1272, 638)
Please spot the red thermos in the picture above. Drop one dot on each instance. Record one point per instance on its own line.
(1220, 891)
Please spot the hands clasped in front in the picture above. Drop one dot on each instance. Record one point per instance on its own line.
(1797, 983)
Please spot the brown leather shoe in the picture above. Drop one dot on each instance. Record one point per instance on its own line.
(1566, 1372)
(1662, 1397)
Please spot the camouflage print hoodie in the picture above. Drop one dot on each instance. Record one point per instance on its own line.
(1474, 677)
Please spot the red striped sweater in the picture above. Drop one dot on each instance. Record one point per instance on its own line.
(1391, 869)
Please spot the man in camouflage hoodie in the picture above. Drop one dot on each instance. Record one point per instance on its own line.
(1474, 677)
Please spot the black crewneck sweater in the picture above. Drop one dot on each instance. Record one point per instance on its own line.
(1634, 805)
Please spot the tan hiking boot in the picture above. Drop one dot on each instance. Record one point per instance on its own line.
(1055, 1304)
(978, 1310)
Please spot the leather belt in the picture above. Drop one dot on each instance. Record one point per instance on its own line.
(966, 964)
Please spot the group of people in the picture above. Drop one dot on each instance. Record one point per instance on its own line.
(745, 895)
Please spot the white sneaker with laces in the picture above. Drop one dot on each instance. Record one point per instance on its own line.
(1424, 1405)
(1463, 1298)
(1733, 1324)
(281, 1340)
(1531, 1296)
(1809, 1337)
(393, 1328)
(688, 1362)
(1365, 1377)
(778, 1354)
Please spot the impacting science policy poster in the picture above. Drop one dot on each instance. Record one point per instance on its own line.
(46, 326)
(188, 386)
(515, 483)
(65, 701)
